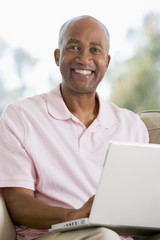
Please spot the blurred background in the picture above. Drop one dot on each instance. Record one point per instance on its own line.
(29, 34)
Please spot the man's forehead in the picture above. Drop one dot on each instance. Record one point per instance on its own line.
(86, 19)
(73, 25)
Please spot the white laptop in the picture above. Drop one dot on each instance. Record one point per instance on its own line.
(127, 199)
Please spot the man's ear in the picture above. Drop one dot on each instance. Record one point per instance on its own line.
(108, 58)
(57, 55)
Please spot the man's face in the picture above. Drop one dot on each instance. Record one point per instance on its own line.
(82, 57)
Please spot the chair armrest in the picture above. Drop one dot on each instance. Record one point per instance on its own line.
(7, 228)
(151, 118)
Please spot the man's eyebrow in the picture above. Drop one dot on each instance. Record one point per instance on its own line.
(96, 44)
(73, 40)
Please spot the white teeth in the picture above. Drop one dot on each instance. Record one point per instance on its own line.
(84, 72)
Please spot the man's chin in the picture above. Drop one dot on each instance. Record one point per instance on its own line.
(79, 86)
(83, 89)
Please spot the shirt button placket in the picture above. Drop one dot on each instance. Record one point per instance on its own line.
(82, 143)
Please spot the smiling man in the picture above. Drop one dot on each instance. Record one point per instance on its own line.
(83, 60)
(52, 146)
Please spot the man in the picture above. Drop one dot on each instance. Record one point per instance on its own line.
(52, 146)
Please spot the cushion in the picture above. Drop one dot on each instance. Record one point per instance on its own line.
(7, 229)
(151, 118)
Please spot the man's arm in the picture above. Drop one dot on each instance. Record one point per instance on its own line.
(26, 210)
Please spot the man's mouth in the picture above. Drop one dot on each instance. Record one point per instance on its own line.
(83, 71)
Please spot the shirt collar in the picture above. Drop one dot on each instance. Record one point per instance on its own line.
(58, 109)
(107, 115)
(56, 106)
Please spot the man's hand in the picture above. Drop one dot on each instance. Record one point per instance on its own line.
(82, 212)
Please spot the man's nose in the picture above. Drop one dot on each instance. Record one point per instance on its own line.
(85, 56)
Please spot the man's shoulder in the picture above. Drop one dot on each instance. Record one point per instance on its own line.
(119, 112)
(124, 112)
(33, 103)
(28, 104)
(127, 120)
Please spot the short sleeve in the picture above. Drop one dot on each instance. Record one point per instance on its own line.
(16, 166)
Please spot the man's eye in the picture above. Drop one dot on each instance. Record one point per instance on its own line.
(95, 50)
(73, 47)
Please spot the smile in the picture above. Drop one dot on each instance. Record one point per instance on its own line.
(83, 72)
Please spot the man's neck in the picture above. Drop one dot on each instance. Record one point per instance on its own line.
(85, 106)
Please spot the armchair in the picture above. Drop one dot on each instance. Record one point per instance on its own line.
(7, 229)
(151, 118)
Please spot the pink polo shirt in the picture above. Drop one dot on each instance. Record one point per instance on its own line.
(45, 148)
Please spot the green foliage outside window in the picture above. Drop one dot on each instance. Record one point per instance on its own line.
(136, 81)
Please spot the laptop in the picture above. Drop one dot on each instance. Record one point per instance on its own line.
(127, 199)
